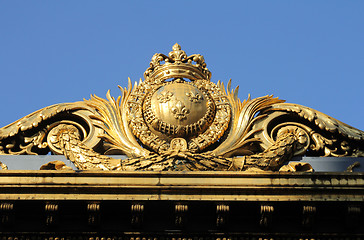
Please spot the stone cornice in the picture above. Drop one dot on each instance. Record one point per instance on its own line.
(180, 186)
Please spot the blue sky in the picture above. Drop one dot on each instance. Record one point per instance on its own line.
(306, 52)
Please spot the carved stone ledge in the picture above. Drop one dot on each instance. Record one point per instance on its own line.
(153, 236)
(203, 186)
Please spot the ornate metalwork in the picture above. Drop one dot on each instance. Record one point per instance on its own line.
(164, 97)
(177, 119)
(194, 97)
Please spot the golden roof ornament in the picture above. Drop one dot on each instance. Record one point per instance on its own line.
(177, 119)
(177, 65)
(179, 101)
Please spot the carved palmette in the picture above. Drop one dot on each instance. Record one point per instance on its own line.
(177, 119)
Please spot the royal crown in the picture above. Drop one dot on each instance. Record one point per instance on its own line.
(177, 65)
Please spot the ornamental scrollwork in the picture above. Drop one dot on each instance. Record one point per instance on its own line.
(178, 120)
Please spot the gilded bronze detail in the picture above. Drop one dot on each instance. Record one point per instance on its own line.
(164, 97)
(177, 119)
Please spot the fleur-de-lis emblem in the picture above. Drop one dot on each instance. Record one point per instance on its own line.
(164, 97)
(180, 111)
(194, 97)
(177, 54)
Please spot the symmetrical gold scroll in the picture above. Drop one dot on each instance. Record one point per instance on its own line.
(29, 135)
(177, 119)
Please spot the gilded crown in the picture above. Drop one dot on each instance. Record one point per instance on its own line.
(177, 65)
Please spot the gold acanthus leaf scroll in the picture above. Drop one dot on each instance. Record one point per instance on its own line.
(246, 116)
(323, 121)
(243, 117)
(261, 133)
(326, 135)
(114, 120)
(289, 141)
(250, 119)
(177, 158)
(29, 134)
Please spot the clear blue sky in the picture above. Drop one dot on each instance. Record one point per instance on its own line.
(306, 52)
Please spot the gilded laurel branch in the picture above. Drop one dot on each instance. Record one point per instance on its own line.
(288, 142)
(68, 139)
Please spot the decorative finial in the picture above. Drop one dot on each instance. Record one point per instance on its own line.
(176, 47)
(177, 54)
